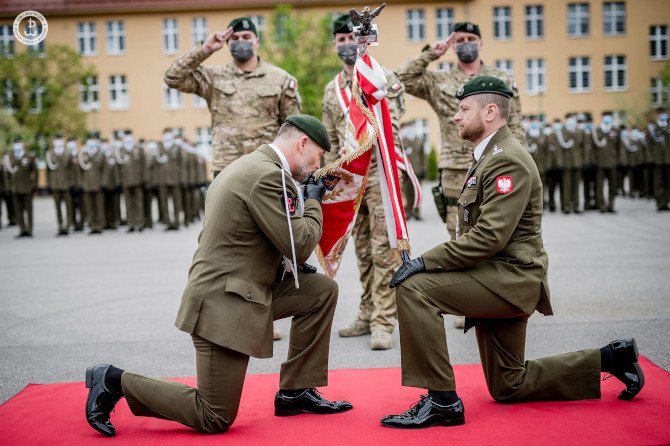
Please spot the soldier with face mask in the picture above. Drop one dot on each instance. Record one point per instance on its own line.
(658, 135)
(110, 183)
(537, 146)
(555, 163)
(20, 164)
(132, 160)
(571, 143)
(606, 146)
(92, 161)
(78, 215)
(59, 169)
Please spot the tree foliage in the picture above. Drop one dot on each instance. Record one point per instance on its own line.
(301, 44)
(44, 96)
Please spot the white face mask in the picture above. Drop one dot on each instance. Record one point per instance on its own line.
(571, 124)
(105, 148)
(607, 121)
(168, 139)
(557, 126)
(91, 146)
(662, 120)
(71, 146)
(18, 149)
(59, 145)
(128, 141)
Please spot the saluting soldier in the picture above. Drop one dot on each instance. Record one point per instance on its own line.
(92, 162)
(376, 262)
(59, 177)
(495, 274)
(659, 141)
(22, 168)
(571, 141)
(169, 159)
(110, 183)
(555, 163)
(132, 161)
(606, 144)
(237, 285)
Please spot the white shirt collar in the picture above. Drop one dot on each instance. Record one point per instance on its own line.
(482, 145)
(282, 158)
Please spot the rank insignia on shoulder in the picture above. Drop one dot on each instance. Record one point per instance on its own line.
(396, 86)
(292, 84)
(472, 182)
(291, 202)
(504, 184)
(496, 150)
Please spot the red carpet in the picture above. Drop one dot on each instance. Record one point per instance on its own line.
(54, 414)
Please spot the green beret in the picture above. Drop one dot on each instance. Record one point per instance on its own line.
(467, 27)
(343, 24)
(484, 84)
(243, 24)
(313, 128)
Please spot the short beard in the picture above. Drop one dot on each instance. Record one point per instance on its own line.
(302, 171)
(474, 132)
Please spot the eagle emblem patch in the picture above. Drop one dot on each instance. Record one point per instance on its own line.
(504, 184)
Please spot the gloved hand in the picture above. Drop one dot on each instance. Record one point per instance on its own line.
(307, 268)
(408, 267)
(314, 188)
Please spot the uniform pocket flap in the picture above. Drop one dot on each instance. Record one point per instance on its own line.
(468, 196)
(267, 91)
(226, 87)
(247, 290)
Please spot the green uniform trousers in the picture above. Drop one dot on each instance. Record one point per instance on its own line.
(570, 189)
(187, 201)
(23, 205)
(376, 263)
(501, 337)
(78, 214)
(63, 197)
(95, 210)
(662, 185)
(213, 406)
(609, 175)
(172, 194)
(147, 206)
(134, 197)
(452, 181)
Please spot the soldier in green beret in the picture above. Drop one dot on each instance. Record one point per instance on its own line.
(248, 270)
(495, 274)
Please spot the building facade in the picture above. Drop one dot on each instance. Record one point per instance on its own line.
(566, 55)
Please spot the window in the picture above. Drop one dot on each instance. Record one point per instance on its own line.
(506, 66)
(658, 92)
(578, 19)
(38, 49)
(118, 92)
(116, 37)
(203, 138)
(535, 21)
(614, 18)
(502, 22)
(444, 22)
(86, 38)
(6, 41)
(170, 36)
(579, 73)
(36, 96)
(199, 30)
(658, 42)
(89, 94)
(416, 25)
(259, 21)
(199, 102)
(282, 23)
(172, 98)
(535, 76)
(7, 95)
(615, 73)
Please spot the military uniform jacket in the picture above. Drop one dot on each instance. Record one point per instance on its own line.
(247, 108)
(658, 140)
(499, 241)
(59, 170)
(110, 174)
(228, 299)
(589, 152)
(573, 156)
(336, 125)
(91, 166)
(22, 172)
(537, 147)
(439, 88)
(554, 159)
(132, 166)
(607, 155)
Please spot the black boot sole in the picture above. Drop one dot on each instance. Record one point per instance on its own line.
(446, 423)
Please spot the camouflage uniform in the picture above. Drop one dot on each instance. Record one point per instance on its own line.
(247, 108)
(376, 262)
(439, 88)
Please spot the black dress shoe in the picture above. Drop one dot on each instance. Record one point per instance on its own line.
(626, 368)
(308, 401)
(100, 401)
(427, 413)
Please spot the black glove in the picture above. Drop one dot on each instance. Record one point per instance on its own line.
(307, 268)
(314, 188)
(408, 267)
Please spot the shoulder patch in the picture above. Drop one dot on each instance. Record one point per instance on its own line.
(291, 205)
(292, 84)
(504, 184)
(496, 150)
(396, 86)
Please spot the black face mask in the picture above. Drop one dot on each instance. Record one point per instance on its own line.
(241, 50)
(467, 52)
(347, 52)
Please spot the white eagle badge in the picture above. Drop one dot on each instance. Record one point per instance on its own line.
(504, 184)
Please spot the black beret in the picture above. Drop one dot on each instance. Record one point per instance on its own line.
(18, 138)
(128, 132)
(467, 27)
(343, 25)
(484, 84)
(58, 135)
(313, 128)
(243, 24)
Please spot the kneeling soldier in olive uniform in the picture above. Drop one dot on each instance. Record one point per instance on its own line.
(257, 227)
(495, 274)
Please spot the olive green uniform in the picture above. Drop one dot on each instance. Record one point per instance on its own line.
(111, 186)
(439, 88)
(78, 216)
(659, 142)
(6, 194)
(555, 165)
(235, 289)
(536, 144)
(495, 274)
(92, 165)
(417, 158)
(23, 179)
(606, 146)
(589, 170)
(376, 261)
(59, 178)
(132, 170)
(573, 159)
(149, 183)
(169, 171)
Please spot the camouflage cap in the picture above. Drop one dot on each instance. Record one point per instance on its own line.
(243, 24)
(343, 25)
(484, 84)
(467, 27)
(313, 128)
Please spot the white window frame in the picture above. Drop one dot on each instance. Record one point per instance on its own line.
(581, 14)
(37, 89)
(118, 85)
(658, 35)
(172, 98)
(198, 101)
(7, 41)
(580, 67)
(502, 22)
(536, 76)
(115, 37)
(613, 15)
(170, 35)
(506, 65)
(534, 22)
(615, 67)
(444, 22)
(87, 39)
(89, 94)
(658, 92)
(203, 138)
(198, 30)
(416, 24)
